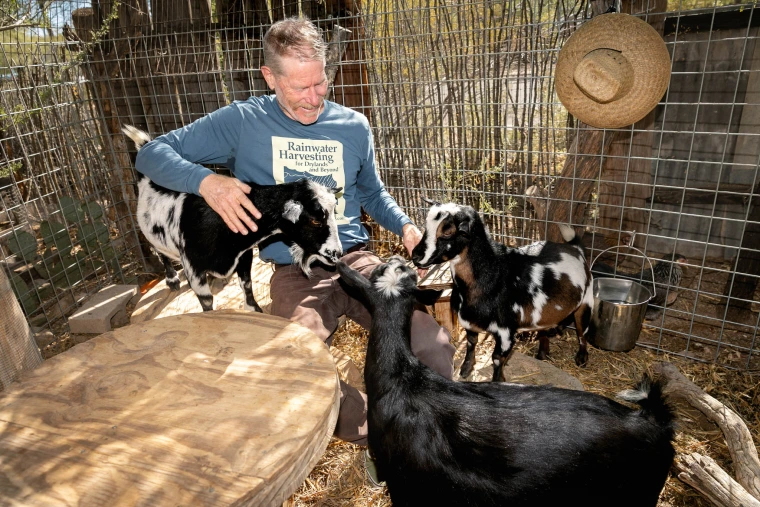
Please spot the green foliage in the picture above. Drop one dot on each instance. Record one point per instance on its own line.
(55, 234)
(26, 296)
(93, 209)
(8, 169)
(23, 245)
(63, 262)
(71, 210)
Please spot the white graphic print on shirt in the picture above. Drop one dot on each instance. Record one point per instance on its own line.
(320, 161)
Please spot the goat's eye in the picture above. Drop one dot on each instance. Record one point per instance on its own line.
(315, 222)
(447, 235)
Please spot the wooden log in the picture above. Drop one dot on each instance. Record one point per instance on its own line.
(335, 51)
(704, 475)
(84, 23)
(18, 350)
(738, 438)
(351, 85)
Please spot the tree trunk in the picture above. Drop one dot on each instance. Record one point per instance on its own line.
(578, 178)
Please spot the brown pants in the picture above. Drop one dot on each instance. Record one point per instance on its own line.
(318, 302)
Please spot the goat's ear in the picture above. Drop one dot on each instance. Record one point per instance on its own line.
(427, 297)
(464, 225)
(431, 202)
(292, 211)
(335, 190)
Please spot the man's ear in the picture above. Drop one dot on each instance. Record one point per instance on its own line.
(268, 76)
(427, 297)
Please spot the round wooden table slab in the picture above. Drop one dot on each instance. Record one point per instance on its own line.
(216, 408)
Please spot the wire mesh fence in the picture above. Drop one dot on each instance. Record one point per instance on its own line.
(461, 101)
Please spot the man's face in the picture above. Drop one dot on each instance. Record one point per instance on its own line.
(300, 89)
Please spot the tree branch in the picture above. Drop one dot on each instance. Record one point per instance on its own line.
(738, 438)
(21, 23)
(704, 475)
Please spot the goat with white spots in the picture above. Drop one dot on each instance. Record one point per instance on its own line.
(184, 228)
(503, 290)
(441, 442)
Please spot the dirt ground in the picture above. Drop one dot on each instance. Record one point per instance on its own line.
(694, 326)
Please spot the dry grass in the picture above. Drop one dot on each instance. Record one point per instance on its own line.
(339, 478)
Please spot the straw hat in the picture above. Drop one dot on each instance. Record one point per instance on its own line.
(612, 71)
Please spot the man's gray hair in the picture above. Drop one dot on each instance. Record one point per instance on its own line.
(296, 36)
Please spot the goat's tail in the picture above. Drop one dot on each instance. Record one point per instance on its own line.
(136, 135)
(648, 395)
(568, 234)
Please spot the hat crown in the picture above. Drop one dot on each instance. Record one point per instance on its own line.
(604, 75)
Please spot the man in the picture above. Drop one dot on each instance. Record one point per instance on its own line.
(273, 139)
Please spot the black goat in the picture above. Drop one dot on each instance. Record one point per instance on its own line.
(184, 228)
(505, 290)
(440, 442)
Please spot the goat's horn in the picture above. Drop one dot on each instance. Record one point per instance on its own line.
(431, 202)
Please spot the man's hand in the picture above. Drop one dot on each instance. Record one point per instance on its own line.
(411, 237)
(227, 196)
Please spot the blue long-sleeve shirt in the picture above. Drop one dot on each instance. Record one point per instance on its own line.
(260, 144)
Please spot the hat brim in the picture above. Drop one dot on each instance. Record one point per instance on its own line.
(644, 49)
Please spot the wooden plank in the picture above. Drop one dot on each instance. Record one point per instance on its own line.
(18, 350)
(726, 194)
(218, 408)
(438, 277)
(445, 315)
(740, 289)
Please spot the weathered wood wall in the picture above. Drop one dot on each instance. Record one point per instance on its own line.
(708, 142)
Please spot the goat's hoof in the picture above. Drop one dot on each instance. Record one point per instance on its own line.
(465, 371)
(542, 356)
(581, 358)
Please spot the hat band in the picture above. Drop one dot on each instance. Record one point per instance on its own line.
(604, 75)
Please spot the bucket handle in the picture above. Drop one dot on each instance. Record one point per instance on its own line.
(651, 267)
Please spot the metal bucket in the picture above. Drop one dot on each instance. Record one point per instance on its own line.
(619, 308)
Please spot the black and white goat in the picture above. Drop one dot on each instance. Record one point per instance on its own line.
(184, 228)
(441, 442)
(505, 290)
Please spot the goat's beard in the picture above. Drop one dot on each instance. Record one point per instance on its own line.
(296, 252)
